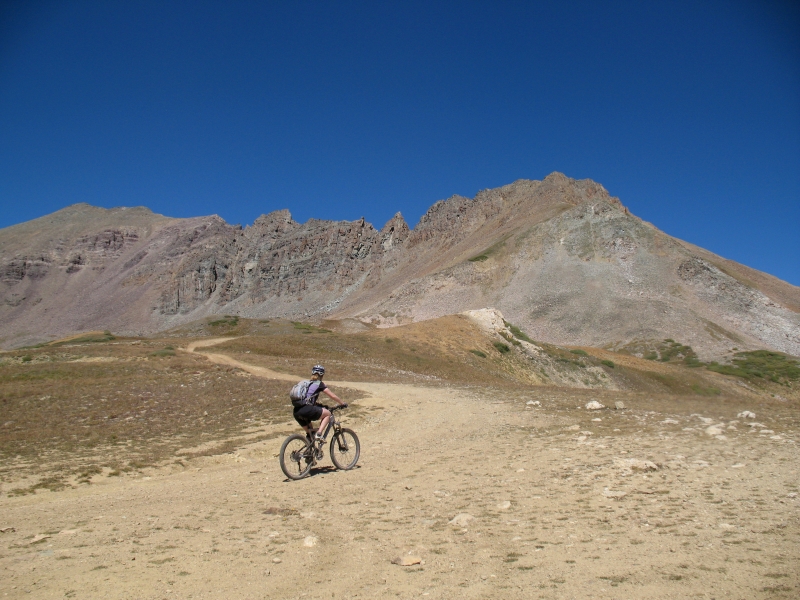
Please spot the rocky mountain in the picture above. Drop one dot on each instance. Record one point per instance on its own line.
(562, 259)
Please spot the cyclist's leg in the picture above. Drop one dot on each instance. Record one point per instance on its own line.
(326, 415)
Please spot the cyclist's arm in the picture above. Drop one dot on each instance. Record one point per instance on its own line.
(331, 395)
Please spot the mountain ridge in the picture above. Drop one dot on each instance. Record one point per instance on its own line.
(561, 257)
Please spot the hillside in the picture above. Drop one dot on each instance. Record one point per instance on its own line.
(562, 259)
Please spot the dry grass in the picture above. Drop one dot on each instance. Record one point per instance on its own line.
(98, 406)
(440, 352)
(71, 412)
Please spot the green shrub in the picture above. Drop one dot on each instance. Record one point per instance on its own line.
(164, 352)
(308, 328)
(227, 320)
(479, 258)
(761, 364)
(518, 333)
(671, 349)
(609, 363)
(579, 352)
(510, 338)
(501, 347)
(479, 353)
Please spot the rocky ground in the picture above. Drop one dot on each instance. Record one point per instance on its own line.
(480, 495)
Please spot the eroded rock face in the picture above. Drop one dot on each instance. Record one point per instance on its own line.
(562, 259)
(18, 268)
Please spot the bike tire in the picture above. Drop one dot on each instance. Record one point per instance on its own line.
(345, 449)
(295, 456)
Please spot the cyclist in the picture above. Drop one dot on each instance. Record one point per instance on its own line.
(311, 411)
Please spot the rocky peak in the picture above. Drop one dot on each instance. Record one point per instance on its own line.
(278, 221)
(394, 232)
(576, 191)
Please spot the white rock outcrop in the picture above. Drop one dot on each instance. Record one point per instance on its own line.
(489, 319)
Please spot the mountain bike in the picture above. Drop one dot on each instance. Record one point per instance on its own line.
(299, 452)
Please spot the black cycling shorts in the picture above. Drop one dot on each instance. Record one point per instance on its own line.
(305, 414)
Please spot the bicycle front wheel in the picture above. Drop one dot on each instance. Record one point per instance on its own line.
(296, 457)
(345, 449)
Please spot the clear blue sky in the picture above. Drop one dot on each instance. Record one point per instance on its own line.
(689, 111)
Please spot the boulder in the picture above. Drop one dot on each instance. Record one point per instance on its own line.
(461, 519)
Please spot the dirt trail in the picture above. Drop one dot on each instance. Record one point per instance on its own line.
(608, 504)
(224, 359)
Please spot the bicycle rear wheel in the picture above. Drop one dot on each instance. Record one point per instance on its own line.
(345, 449)
(296, 457)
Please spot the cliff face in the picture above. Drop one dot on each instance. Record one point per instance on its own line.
(561, 258)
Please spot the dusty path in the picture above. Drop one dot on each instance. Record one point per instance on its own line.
(224, 359)
(559, 511)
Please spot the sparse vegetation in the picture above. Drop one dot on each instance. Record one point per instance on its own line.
(761, 364)
(130, 411)
(167, 351)
(489, 251)
(426, 352)
(667, 350)
(705, 391)
(671, 350)
(226, 321)
(119, 407)
(308, 328)
(501, 347)
(92, 338)
(518, 333)
(113, 408)
(53, 483)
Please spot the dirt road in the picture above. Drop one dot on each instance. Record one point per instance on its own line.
(495, 499)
